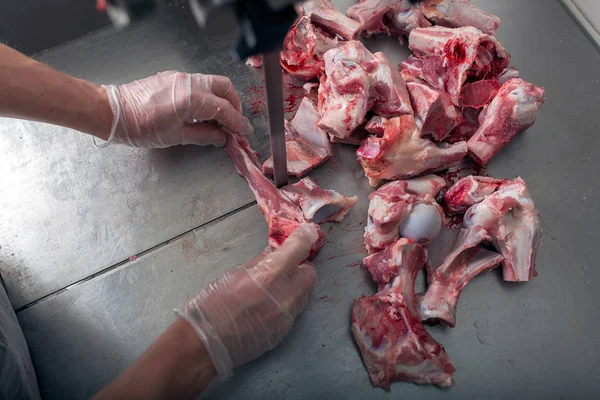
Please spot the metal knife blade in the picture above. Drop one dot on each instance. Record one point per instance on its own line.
(274, 91)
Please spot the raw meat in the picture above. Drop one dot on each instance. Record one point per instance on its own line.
(406, 17)
(393, 203)
(303, 49)
(468, 191)
(401, 153)
(281, 214)
(479, 94)
(255, 61)
(387, 328)
(513, 110)
(451, 265)
(435, 114)
(391, 17)
(356, 81)
(324, 14)
(457, 13)
(469, 126)
(307, 146)
(510, 217)
(452, 57)
(319, 205)
(508, 74)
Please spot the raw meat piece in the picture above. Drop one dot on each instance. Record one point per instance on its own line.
(392, 204)
(464, 131)
(388, 16)
(457, 13)
(406, 17)
(450, 269)
(386, 326)
(401, 153)
(376, 126)
(510, 217)
(324, 14)
(513, 110)
(508, 74)
(303, 49)
(306, 145)
(479, 94)
(255, 61)
(281, 214)
(468, 191)
(356, 81)
(319, 205)
(435, 114)
(452, 57)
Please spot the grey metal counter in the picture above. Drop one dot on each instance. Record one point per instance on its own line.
(72, 213)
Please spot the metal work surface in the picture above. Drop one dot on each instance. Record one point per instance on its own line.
(529, 340)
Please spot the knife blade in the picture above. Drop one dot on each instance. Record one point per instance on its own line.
(274, 91)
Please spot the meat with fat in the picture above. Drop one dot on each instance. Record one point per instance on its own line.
(455, 258)
(458, 13)
(391, 17)
(402, 153)
(324, 14)
(468, 191)
(387, 328)
(513, 110)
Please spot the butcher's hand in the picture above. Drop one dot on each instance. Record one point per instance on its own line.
(174, 108)
(250, 310)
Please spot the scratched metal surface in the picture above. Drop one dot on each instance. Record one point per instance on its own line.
(534, 340)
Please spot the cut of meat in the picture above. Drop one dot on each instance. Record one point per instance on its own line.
(303, 49)
(451, 265)
(513, 110)
(435, 114)
(391, 17)
(376, 126)
(395, 202)
(464, 131)
(255, 61)
(324, 14)
(452, 57)
(404, 18)
(401, 153)
(510, 217)
(386, 326)
(457, 13)
(468, 191)
(281, 214)
(356, 81)
(479, 94)
(319, 205)
(307, 146)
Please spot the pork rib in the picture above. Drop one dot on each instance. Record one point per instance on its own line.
(457, 13)
(307, 146)
(392, 340)
(324, 14)
(510, 217)
(513, 110)
(449, 271)
(468, 191)
(319, 205)
(402, 153)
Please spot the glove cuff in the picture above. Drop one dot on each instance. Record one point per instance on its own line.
(111, 91)
(218, 353)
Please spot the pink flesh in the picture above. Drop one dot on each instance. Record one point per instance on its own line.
(469, 126)
(370, 14)
(386, 326)
(510, 217)
(455, 259)
(303, 49)
(401, 153)
(479, 94)
(457, 13)
(435, 114)
(307, 146)
(513, 110)
(391, 204)
(324, 14)
(468, 191)
(319, 205)
(392, 96)
(255, 61)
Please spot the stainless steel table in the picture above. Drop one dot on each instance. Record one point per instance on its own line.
(71, 216)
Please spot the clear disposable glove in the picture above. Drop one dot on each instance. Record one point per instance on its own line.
(249, 310)
(174, 108)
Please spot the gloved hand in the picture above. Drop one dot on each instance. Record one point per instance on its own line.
(174, 108)
(249, 310)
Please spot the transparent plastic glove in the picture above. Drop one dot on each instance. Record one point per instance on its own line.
(249, 310)
(174, 108)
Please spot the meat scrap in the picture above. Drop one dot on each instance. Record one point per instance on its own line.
(387, 328)
(324, 14)
(468, 191)
(307, 146)
(458, 13)
(510, 217)
(392, 204)
(356, 81)
(513, 110)
(402, 153)
(318, 205)
(451, 265)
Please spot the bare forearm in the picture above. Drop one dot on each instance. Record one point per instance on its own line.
(34, 91)
(176, 366)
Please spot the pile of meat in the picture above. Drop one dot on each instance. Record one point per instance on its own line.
(456, 96)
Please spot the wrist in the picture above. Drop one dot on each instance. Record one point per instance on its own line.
(100, 114)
